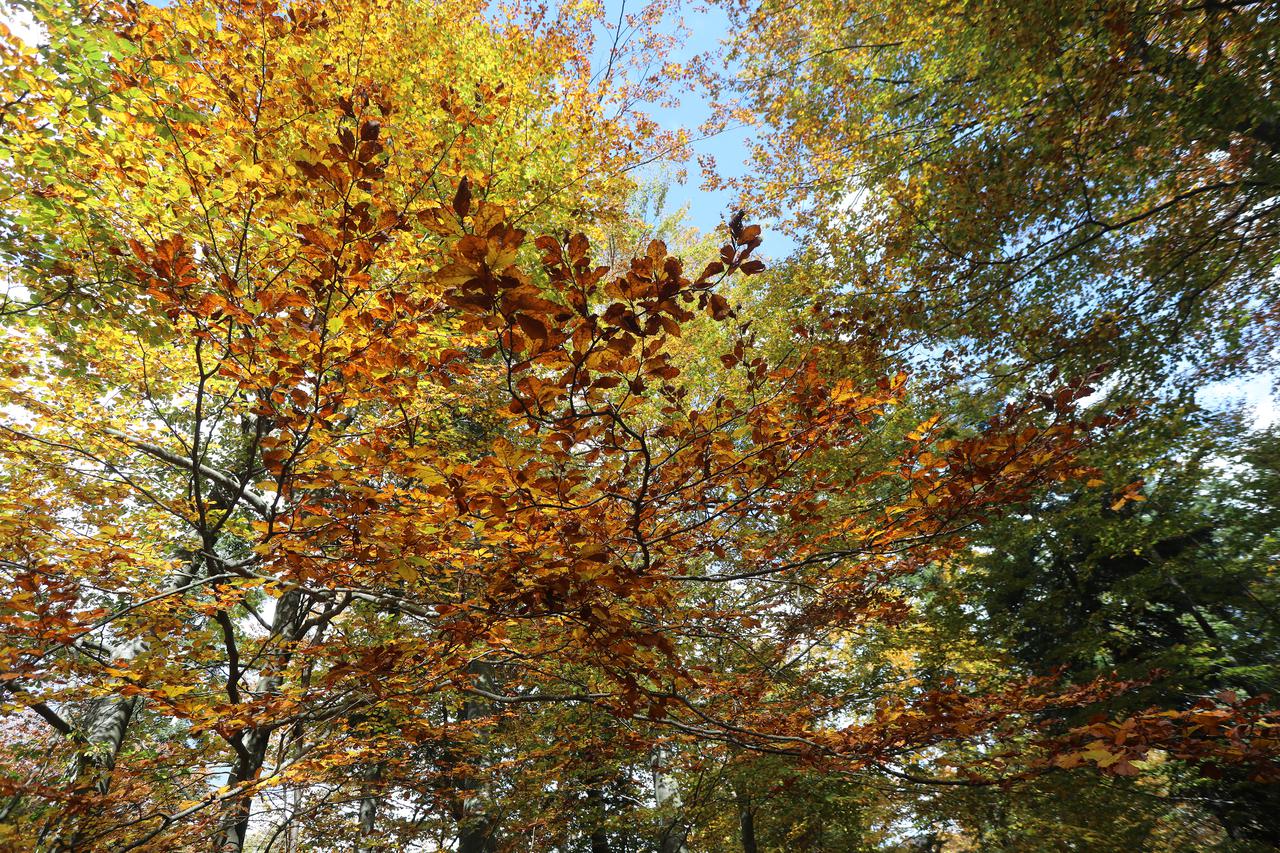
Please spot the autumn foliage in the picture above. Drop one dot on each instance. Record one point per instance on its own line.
(352, 500)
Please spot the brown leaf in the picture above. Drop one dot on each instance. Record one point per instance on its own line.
(462, 199)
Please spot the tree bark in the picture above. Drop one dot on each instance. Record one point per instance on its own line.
(475, 826)
(747, 824)
(104, 728)
(666, 793)
(369, 802)
(596, 810)
(109, 722)
(251, 749)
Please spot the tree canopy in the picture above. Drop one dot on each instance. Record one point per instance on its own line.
(381, 473)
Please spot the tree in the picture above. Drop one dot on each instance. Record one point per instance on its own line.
(1001, 195)
(339, 513)
(1095, 183)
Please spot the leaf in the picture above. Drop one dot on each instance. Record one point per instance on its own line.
(316, 237)
(173, 691)
(454, 275)
(718, 307)
(594, 552)
(534, 329)
(462, 198)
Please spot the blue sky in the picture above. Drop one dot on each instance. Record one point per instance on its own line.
(706, 25)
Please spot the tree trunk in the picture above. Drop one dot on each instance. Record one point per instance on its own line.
(104, 728)
(369, 802)
(747, 824)
(476, 834)
(595, 808)
(475, 826)
(106, 725)
(666, 793)
(109, 721)
(251, 752)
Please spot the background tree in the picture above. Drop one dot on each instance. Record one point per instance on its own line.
(1094, 183)
(998, 196)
